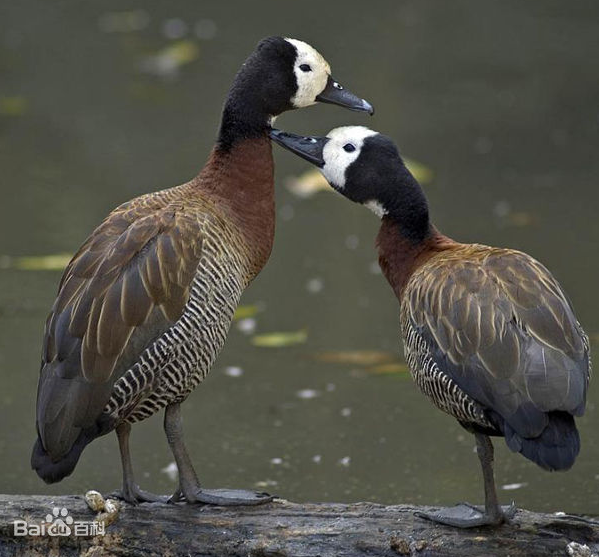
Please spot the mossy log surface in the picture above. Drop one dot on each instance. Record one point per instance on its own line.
(282, 529)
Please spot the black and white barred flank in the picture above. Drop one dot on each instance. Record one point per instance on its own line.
(179, 360)
(437, 385)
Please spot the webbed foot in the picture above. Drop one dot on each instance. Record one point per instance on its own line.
(134, 495)
(222, 497)
(465, 515)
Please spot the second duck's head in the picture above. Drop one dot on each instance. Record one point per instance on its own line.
(366, 167)
(283, 74)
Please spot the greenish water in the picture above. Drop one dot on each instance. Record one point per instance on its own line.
(498, 98)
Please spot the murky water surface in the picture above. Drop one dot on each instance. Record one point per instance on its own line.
(499, 99)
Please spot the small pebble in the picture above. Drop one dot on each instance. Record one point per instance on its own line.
(94, 500)
(317, 459)
(345, 461)
(276, 461)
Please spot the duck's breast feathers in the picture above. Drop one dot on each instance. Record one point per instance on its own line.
(501, 326)
(131, 277)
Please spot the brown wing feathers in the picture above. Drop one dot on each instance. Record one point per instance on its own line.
(143, 256)
(501, 326)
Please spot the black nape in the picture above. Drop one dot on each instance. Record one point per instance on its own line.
(379, 174)
(262, 88)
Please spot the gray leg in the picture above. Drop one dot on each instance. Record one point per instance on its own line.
(131, 491)
(189, 486)
(465, 515)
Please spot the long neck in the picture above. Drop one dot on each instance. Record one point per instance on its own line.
(400, 255)
(240, 182)
(406, 205)
(245, 115)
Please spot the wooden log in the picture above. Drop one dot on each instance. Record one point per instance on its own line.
(284, 529)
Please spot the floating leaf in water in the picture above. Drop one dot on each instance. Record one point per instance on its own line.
(13, 106)
(390, 369)
(36, 262)
(167, 62)
(278, 340)
(312, 181)
(243, 312)
(356, 357)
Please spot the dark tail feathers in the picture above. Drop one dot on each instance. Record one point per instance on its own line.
(555, 449)
(52, 472)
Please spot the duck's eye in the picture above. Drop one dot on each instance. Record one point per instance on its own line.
(337, 85)
(305, 68)
(349, 148)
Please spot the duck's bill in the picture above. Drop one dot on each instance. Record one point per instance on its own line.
(307, 147)
(334, 93)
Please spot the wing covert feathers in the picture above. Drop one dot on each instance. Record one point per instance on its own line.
(500, 325)
(143, 256)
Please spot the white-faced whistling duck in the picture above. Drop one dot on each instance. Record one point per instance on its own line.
(144, 306)
(489, 335)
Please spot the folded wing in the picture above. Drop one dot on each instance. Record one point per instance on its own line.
(132, 277)
(501, 327)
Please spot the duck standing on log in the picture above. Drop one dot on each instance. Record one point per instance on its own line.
(489, 335)
(145, 305)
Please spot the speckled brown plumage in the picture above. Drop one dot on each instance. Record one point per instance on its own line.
(489, 334)
(131, 280)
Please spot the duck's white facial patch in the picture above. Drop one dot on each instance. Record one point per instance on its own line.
(310, 82)
(338, 153)
(376, 207)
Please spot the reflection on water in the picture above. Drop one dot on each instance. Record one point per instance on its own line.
(498, 99)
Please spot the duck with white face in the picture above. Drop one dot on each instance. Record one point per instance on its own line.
(489, 335)
(145, 305)
(281, 74)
